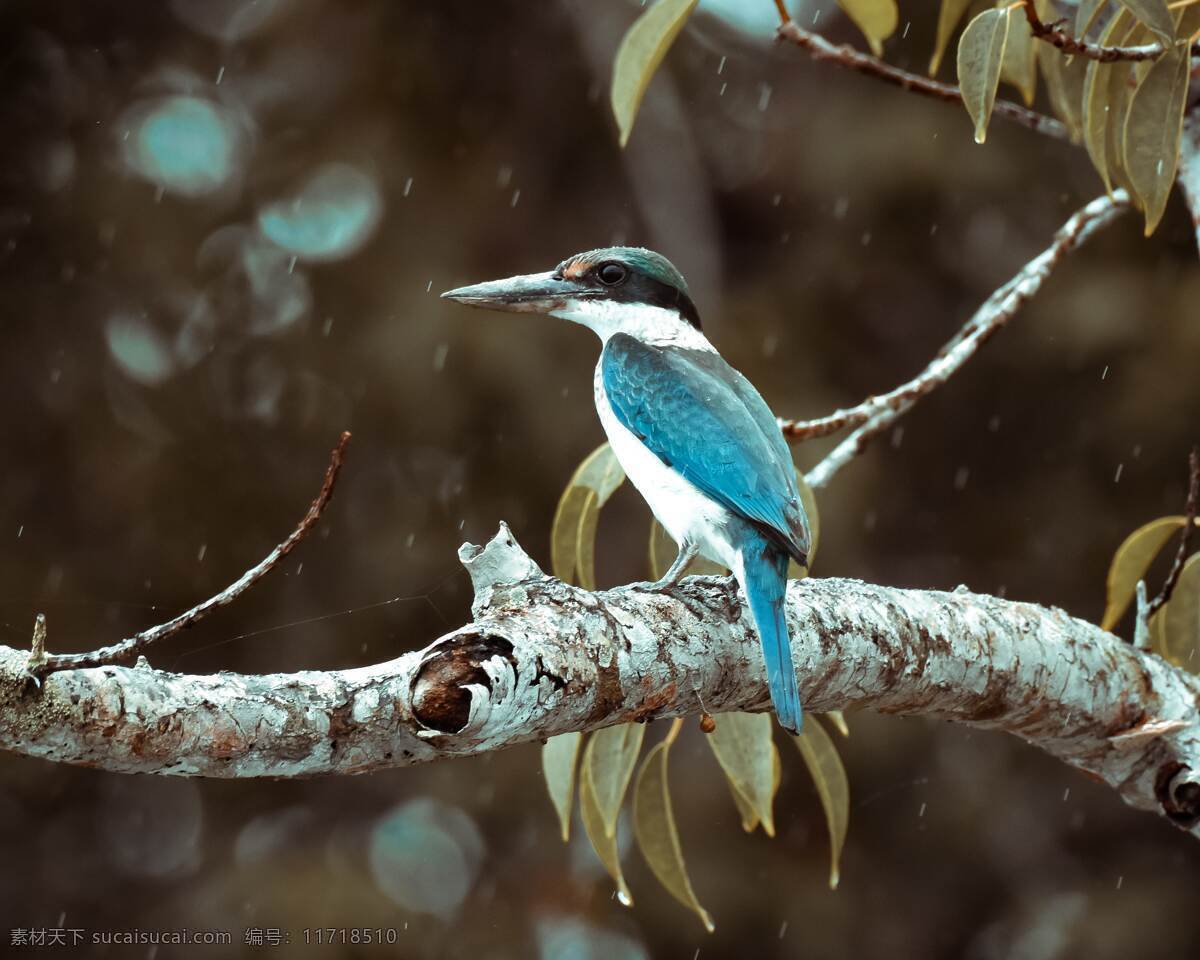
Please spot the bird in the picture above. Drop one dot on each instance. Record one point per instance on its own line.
(693, 435)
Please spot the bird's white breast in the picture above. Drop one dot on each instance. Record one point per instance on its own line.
(684, 511)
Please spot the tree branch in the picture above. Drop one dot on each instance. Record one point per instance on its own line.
(40, 663)
(876, 414)
(543, 658)
(1185, 539)
(821, 49)
(1051, 34)
(1189, 157)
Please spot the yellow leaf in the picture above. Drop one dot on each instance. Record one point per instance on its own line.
(604, 843)
(1020, 60)
(1158, 635)
(662, 552)
(642, 50)
(829, 777)
(1130, 563)
(743, 746)
(876, 19)
(558, 768)
(809, 499)
(839, 722)
(608, 763)
(573, 533)
(1085, 16)
(1153, 129)
(1181, 619)
(654, 827)
(1064, 77)
(1097, 94)
(1155, 15)
(745, 811)
(948, 18)
(980, 54)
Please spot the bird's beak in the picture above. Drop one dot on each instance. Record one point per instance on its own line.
(531, 293)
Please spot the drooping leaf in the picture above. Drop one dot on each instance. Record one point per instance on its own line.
(604, 843)
(1130, 563)
(1085, 16)
(829, 777)
(662, 551)
(745, 811)
(1181, 619)
(980, 56)
(876, 19)
(608, 763)
(1188, 25)
(1121, 84)
(642, 50)
(573, 533)
(948, 19)
(1064, 77)
(1097, 96)
(743, 746)
(1020, 60)
(654, 827)
(1155, 15)
(1153, 129)
(809, 499)
(558, 768)
(839, 722)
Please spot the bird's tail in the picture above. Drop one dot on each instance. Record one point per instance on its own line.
(763, 576)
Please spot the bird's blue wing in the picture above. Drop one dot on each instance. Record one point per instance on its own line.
(702, 418)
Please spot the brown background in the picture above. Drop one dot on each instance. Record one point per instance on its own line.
(834, 231)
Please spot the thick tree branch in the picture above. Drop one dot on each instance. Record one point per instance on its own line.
(40, 663)
(1189, 157)
(821, 49)
(877, 414)
(543, 658)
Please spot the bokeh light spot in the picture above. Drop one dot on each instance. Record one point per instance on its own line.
(184, 144)
(331, 217)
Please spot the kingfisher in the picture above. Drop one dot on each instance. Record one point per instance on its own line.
(692, 434)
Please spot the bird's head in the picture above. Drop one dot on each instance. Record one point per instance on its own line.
(610, 290)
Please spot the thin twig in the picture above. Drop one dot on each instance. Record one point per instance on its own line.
(126, 649)
(821, 49)
(877, 414)
(1050, 33)
(1185, 540)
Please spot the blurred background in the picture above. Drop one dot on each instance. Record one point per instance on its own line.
(223, 229)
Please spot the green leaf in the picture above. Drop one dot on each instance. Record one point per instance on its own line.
(603, 842)
(1181, 619)
(1155, 15)
(654, 827)
(1153, 129)
(642, 50)
(948, 19)
(839, 722)
(876, 19)
(1098, 99)
(1130, 563)
(829, 777)
(1085, 16)
(573, 533)
(608, 764)
(980, 55)
(1064, 77)
(558, 768)
(1020, 60)
(743, 746)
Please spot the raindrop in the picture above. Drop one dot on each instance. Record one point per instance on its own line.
(723, 88)
(439, 356)
(764, 96)
(961, 477)
(331, 217)
(408, 186)
(1117, 476)
(515, 197)
(201, 552)
(721, 67)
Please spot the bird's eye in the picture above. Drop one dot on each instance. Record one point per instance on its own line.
(612, 273)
